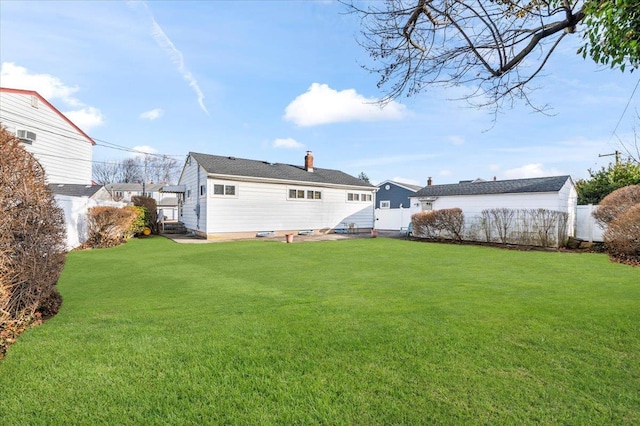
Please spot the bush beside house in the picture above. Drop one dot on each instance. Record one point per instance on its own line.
(619, 214)
(32, 242)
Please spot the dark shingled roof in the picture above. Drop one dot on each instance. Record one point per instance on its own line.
(74, 190)
(233, 166)
(513, 186)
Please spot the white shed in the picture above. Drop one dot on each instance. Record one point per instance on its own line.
(556, 193)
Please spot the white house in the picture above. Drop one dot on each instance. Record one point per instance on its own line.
(226, 196)
(556, 193)
(63, 150)
(167, 202)
(60, 146)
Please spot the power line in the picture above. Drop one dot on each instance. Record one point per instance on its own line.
(29, 123)
(626, 107)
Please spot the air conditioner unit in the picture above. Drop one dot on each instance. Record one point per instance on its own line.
(26, 136)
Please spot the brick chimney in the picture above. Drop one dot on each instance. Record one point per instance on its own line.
(429, 181)
(308, 162)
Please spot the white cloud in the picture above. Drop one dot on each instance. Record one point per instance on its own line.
(445, 173)
(85, 118)
(530, 171)
(51, 88)
(288, 143)
(16, 77)
(455, 140)
(151, 115)
(321, 104)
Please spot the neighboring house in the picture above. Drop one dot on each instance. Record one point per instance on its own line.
(63, 150)
(233, 196)
(75, 200)
(167, 202)
(556, 193)
(94, 192)
(392, 204)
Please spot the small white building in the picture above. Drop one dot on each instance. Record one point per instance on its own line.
(167, 202)
(556, 193)
(229, 196)
(61, 147)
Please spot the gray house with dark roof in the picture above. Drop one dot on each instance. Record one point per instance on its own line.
(229, 196)
(556, 193)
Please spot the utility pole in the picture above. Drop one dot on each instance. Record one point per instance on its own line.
(616, 153)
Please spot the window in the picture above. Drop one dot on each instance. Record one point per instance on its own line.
(301, 194)
(203, 190)
(385, 204)
(354, 196)
(224, 190)
(314, 195)
(188, 193)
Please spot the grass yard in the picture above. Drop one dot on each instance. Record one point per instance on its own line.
(365, 331)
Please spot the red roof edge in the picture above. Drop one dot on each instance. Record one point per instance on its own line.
(34, 93)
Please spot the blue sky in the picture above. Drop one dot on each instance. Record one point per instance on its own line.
(269, 80)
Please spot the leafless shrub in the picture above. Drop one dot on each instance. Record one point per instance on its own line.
(622, 236)
(32, 236)
(432, 224)
(425, 224)
(486, 223)
(502, 219)
(616, 203)
(451, 221)
(108, 226)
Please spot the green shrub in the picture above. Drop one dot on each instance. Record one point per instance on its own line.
(151, 218)
(139, 221)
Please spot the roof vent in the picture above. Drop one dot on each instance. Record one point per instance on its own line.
(231, 158)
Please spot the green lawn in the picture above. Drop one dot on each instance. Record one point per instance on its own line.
(366, 331)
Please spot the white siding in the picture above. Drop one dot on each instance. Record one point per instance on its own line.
(189, 178)
(261, 206)
(266, 207)
(64, 153)
(472, 205)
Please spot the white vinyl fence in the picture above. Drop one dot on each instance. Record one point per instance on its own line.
(75, 216)
(586, 226)
(392, 219)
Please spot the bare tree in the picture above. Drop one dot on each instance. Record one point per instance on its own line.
(495, 47)
(161, 169)
(131, 171)
(147, 169)
(106, 173)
